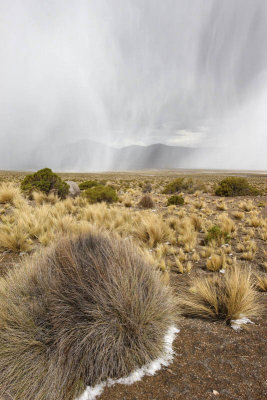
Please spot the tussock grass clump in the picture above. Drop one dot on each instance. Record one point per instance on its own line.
(215, 262)
(43, 198)
(146, 202)
(151, 230)
(226, 296)
(88, 309)
(9, 193)
(45, 181)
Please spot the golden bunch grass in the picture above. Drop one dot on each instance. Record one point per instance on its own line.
(261, 283)
(216, 262)
(246, 205)
(255, 221)
(180, 267)
(226, 296)
(226, 224)
(10, 194)
(221, 205)
(152, 230)
(42, 198)
(238, 215)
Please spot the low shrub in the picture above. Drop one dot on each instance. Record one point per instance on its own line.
(179, 185)
(84, 311)
(216, 234)
(175, 200)
(235, 186)
(97, 194)
(146, 202)
(87, 184)
(46, 181)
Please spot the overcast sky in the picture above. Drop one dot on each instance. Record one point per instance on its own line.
(180, 72)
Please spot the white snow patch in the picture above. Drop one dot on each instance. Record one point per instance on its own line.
(92, 392)
(236, 324)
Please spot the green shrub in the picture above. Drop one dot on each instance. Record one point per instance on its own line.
(97, 194)
(87, 185)
(175, 200)
(179, 185)
(235, 186)
(45, 181)
(216, 234)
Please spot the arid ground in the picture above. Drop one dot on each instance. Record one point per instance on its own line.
(212, 360)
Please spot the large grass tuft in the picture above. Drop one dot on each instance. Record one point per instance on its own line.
(88, 309)
(226, 296)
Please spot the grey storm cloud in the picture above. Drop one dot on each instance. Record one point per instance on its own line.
(123, 72)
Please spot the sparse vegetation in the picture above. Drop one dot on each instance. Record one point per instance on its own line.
(206, 238)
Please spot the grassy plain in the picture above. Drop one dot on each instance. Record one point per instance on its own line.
(212, 250)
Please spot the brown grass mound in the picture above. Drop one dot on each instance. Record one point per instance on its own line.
(86, 310)
(146, 202)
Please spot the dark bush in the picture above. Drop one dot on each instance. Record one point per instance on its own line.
(216, 234)
(147, 188)
(146, 202)
(101, 193)
(46, 181)
(87, 184)
(84, 311)
(175, 200)
(179, 185)
(235, 186)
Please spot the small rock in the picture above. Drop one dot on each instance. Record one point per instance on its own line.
(215, 392)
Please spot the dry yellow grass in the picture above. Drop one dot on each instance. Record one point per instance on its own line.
(238, 215)
(221, 205)
(226, 296)
(226, 224)
(216, 262)
(10, 194)
(42, 198)
(261, 282)
(246, 205)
